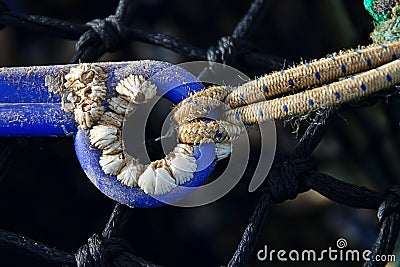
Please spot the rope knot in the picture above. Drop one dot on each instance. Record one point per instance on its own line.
(284, 180)
(104, 35)
(92, 253)
(223, 52)
(100, 252)
(391, 203)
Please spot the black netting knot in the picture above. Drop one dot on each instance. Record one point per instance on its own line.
(223, 52)
(100, 252)
(110, 30)
(232, 51)
(285, 179)
(92, 253)
(391, 203)
(104, 35)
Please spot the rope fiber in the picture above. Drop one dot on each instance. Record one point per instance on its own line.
(290, 175)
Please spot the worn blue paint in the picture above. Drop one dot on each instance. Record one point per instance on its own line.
(27, 108)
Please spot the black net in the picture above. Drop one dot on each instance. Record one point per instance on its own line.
(45, 195)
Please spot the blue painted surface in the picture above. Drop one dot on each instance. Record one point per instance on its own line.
(27, 108)
(35, 119)
(27, 84)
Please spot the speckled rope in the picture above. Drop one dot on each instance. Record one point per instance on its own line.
(328, 95)
(209, 131)
(313, 73)
(200, 104)
(188, 112)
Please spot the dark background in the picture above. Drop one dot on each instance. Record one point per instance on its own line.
(46, 196)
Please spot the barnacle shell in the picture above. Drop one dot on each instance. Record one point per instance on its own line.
(111, 118)
(156, 179)
(184, 149)
(85, 90)
(119, 104)
(130, 173)
(97, 92)
(164, 182)
(87, 81)
(113, 148)
(102, 136)
(112, 164)
(222, 150)
(83, 74)
(181, 165)
(86, 113)
(70, 101)
(137, 89)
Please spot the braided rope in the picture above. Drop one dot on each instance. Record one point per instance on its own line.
(314, 73)
(200, 104)
(302, 77)
(329, 95)
(209, 131)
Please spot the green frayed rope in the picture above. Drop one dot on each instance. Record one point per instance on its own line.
(387, 26)
(378, 17)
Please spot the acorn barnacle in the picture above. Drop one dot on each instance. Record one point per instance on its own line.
(137, 89)
(85, 89)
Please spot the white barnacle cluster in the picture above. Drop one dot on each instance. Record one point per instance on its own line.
(222, 150)
(106, 135)
(84, 93)
(158, 177)
(85, 90)
(137, 89)
(130, 173)
(163, 175)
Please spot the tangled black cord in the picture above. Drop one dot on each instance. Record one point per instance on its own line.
(288, 177)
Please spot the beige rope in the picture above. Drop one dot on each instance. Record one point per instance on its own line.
(200, 104)
(215, 92)
(325, 96)
(209, 131)
(188, 113)
(314, 73)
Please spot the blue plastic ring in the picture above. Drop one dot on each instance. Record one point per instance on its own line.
(173, 83)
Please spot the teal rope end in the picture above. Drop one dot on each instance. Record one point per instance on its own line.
(378, 17)
(386, 14)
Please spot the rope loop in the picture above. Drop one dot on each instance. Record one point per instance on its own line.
(103, 35)
(390, 204)
(284, 181)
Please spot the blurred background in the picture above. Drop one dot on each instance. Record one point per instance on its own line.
(45, 195)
